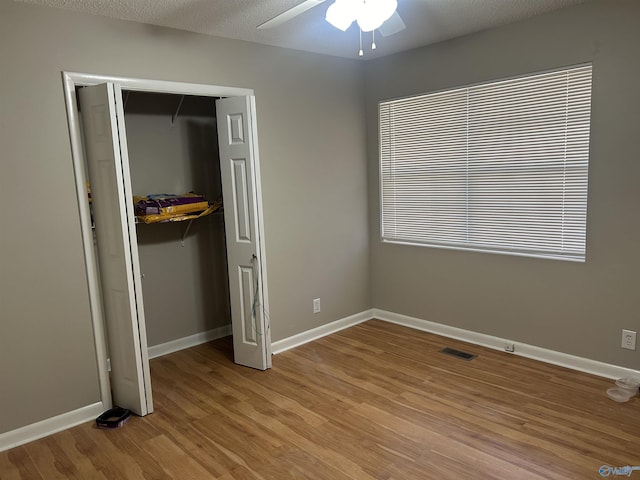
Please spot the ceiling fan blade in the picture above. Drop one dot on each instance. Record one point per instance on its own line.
(290, 14)
(391, 26)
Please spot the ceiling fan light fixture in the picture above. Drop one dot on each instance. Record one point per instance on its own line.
(370, 14)
(373, 13)
(342, 13)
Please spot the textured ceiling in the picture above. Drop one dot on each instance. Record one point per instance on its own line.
(428, 21)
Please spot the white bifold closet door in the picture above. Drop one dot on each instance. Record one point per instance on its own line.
(107, 159)
(108, 162)
(237, 143)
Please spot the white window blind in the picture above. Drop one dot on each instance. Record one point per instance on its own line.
(496, 167)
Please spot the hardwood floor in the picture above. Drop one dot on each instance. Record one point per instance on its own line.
(375, 401)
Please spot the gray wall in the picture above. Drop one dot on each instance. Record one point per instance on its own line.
(312, 149)
(311, 120)
(578, 308)
(185, 285)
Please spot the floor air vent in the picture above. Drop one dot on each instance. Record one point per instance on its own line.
(458, 353)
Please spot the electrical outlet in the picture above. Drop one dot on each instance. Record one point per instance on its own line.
(629, 339)
(316, 305)
(509, 347)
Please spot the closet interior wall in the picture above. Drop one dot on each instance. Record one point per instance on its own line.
(172, 143)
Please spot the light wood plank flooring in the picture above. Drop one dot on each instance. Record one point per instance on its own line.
(375, 401)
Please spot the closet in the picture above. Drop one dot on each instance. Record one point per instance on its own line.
(161, 283)
(173, 149)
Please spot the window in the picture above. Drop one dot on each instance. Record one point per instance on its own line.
(499, 167)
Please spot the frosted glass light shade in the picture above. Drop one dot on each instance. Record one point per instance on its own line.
(370, 14)
(373, 13)
(342, 13)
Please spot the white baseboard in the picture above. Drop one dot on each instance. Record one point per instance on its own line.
(319, 332)
(522, 349)
(190, 341)
(50, 426)
(67, 420)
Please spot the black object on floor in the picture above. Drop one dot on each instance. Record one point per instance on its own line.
(113, 418)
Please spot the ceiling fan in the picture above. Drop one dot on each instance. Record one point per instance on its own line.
(343, 13)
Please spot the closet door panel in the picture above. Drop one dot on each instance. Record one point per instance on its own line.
(105, 151)
(249, 330)
(237, 154)
(241, 201)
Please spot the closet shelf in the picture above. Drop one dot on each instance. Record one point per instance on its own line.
(174, 208)
(162, 208)
(180, 217)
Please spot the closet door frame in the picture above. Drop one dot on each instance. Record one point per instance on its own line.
(73, 80)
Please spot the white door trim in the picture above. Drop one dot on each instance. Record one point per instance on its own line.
(156, 86)
(72, 80)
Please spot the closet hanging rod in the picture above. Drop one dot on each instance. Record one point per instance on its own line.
(175, 115)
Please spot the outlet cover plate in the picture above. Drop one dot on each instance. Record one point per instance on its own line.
(629, 339)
